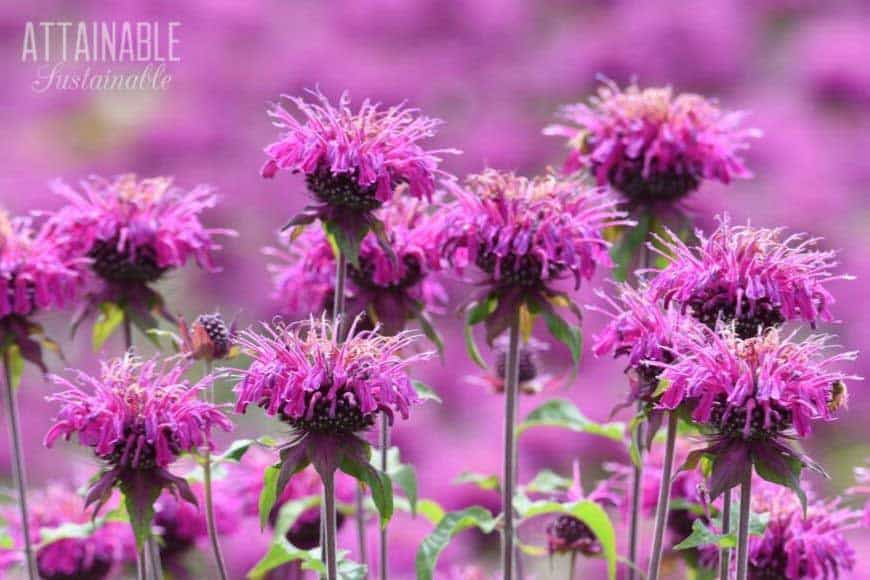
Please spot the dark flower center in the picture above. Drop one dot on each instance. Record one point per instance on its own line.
(526, 270)
(130, 454)
(305, 535)
(731, 421)
(773, 566)
(342, 189)
(122, 266)
(346, 418)
(100, 564)
(568, 534)
(363, 276)
(715, 303)
(176, 540)
(658, 186)
(528, 365)
(217, 332)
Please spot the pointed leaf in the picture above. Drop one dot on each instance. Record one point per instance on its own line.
(16, 365)
(110, 317)
(563, 413)
(569, 335)
(451, 524)
(425, 392)
(269, 494)
(378, 481)
(405, 477)
(486, 482)
(625, 249)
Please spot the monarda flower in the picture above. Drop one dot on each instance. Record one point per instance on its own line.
(643, 331)
(652, 146)
(567, 534)
(72, 544)
(798, 543)
(36, 274)
(353, 162)
(390, 286)
(327, 391)
(138, 416)
(531, 380)
(524, 236)
(134, 231)
(755, 278)
(753, 396)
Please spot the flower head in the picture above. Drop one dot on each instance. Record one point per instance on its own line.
(531, 380)
(138, 416)
(652, 146)
(754, 393)
(795, 545)
(95, 548)
(392, 286)
(353, 161)
(35, 273)
(208, 337)
(642, 330)
(135, 230)
(528, 233)
(751, 276)
(568, 534)
(182, 524)
(316, 383)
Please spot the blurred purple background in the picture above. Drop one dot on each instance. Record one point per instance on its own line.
(495, 71)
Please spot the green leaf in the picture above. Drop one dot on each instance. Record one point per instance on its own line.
(269, 494)
(703, 536)
(16, 365)
(429, 331)
(431, 510)
(235, 451)
(563, 413)
(282, 552)
(588, 512)
(481, 480)
(110, 317)
(477, 313)
(6, 541)
(569, 335)
(425, 392)
(346, 243)
(139, 497)
(291, 511)
(451, 524)
(378, 481)
(547, 481)
(624, 250)
(405, 477)
(788, 474)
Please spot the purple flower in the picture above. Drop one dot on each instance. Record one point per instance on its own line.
(568, 534)
(102, 548)
(531, 380)
(302, 373)
(35, 274)
(525, 235)
(327, 390)
(795, 545)
(754, 395)
(642, 330)
(652, 146)
(134, 231)
(138, 416)
(391, 286)
(353, 161)
(755, 277)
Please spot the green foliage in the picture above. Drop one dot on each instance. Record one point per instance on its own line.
(110, 317)
(564, 414)
(449, 525)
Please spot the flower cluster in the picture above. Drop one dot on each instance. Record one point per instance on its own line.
(568, 534)
(316, 383)
(35, 272)
(796, 545)
(642, 330)
(751, 276)
(95, 550)
(392, 286)
(753, 394)
(135, 230)
(353, 162)
(528, 233)
(653, 146)
(138, 416)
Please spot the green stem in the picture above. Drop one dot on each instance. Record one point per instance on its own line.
(207, 491)
(383, 563)
(663, 505)
(725, 554)
(510, 411)
(743, 525)
(329, 501)
(18, 466)
(636, 492)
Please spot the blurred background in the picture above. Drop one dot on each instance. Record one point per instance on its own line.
(495, 71)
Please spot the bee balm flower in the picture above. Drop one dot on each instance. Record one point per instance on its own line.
(138, 416)
(651, 145)
(752, 276)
